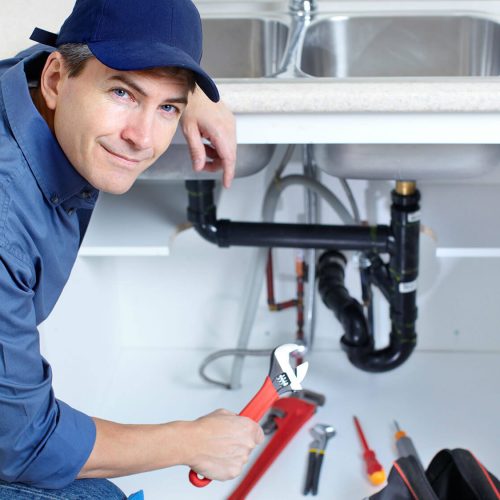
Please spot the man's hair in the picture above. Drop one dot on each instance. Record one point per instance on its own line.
(76, 55)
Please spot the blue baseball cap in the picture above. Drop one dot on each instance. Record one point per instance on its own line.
(137, 34)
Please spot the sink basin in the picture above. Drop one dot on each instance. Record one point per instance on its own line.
(175, 163)
(407, 161)
(242, 47)
(402, 46)
(398, 46)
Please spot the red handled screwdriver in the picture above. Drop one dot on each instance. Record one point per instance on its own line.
(375, 471)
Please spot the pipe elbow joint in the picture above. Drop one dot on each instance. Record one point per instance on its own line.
(382, 360)
(207, 231)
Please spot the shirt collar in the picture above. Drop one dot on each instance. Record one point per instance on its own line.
(57, 178)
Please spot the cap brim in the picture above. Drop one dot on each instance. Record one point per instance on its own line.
(136, 56)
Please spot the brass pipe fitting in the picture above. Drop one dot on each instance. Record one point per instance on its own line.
(406, 188)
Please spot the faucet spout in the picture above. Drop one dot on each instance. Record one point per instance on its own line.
(303, 6)
(302, 13)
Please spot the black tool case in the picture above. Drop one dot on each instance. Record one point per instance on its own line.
(451, 475)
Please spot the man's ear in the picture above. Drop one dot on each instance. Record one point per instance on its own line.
(53, 73)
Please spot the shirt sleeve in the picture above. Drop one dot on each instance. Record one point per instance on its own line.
(43, 441)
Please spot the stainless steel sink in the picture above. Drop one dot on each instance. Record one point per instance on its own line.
(243, 47)
(393, 46)
(407, 161)
(175, 163)
(402, 46)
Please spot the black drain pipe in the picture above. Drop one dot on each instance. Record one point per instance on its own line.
(225, 233)
(396, 279)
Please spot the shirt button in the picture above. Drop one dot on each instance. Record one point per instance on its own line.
(70, 211)
(86, 194)
(54, 199)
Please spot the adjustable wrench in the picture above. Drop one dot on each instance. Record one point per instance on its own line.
(282, 378)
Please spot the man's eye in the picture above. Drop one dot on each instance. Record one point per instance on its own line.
(169, 108)
(120, 92)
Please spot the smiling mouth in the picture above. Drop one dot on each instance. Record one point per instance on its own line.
(123, 159)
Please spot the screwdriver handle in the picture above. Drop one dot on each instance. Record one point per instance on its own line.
(374, 469)
(406, 447)
(372, 464)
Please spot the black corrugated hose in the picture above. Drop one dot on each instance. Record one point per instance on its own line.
(396, 280)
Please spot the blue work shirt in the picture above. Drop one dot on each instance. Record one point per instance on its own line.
(45, 207)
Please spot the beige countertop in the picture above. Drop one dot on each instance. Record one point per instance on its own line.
(344, 96)
(360, 95)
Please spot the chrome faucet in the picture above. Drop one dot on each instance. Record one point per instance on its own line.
(302, 12)
(302, 6)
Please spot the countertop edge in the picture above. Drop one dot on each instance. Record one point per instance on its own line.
(364, 96)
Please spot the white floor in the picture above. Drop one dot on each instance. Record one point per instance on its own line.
(443, 400)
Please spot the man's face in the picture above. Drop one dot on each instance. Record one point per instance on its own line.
(112, 125)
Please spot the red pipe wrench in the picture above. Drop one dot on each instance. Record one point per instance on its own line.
(290, 414)
(282, 378)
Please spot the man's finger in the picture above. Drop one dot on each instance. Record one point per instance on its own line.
(196, 147)
(227, 158)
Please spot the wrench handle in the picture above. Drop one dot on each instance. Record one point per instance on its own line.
(255, 410)
(198, 481)
(261, 402)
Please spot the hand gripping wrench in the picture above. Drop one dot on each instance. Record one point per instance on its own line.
(282, 378)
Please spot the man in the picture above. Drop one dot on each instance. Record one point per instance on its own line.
(89, 116)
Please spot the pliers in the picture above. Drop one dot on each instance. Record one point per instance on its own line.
(282, 378)
(321, 433)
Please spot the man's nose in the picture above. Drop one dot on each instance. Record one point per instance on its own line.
(138, 130)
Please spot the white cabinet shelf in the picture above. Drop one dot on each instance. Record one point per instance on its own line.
(463, 217)
(143, 222)
(140, 223)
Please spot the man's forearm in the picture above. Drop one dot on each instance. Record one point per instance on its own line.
(121, 450)
(216, 445)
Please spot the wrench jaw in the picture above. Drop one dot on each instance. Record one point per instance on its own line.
(283, 376)
(270, 424)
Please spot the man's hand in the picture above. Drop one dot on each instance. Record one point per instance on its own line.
(220, 443)
(204, 119)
